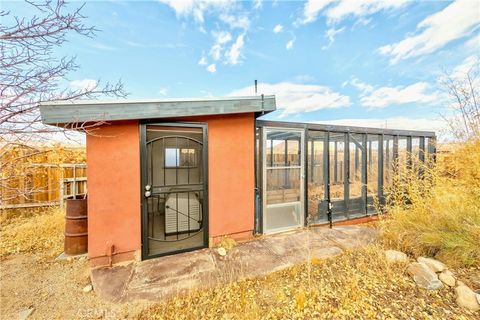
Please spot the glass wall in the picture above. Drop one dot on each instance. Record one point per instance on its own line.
(356, 176)
(373, 161)
(316, 176)
(336, 150)
(388, 162)
(343, 174)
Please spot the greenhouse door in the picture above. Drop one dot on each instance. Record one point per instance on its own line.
(283, 179)
(174, 188)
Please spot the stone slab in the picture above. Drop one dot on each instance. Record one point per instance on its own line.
(171, 275)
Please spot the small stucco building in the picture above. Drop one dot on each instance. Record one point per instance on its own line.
(167, 176)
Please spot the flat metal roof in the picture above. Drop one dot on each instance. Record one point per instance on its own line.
(341, 128)
(80, 111)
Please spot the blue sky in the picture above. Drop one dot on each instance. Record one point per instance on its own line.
(350, 62)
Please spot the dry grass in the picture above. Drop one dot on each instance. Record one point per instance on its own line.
(356, 285)
(32, 231)
(438, 215)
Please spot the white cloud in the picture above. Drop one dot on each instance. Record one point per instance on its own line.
(197, 8)
(294, 98)
(257, 4)
(381, 97)
(220, 39)
(360, 8)
(235, 53)
(203, 60)
(403, 123)
(385, 96)
(289, 44)
(240, 21)
(278, 28)
(455, 21)
(468, 64)
(330, 34)
(474, 43)
(338, 10)
(163, 91)
(312, 8)
(364, 87)
(212, 68)
(84, 84)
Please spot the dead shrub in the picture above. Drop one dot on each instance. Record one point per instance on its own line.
(438, 213)
(39, 233)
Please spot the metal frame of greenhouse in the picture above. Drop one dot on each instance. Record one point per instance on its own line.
(307, 173)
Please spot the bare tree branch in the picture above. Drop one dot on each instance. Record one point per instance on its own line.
(30, 73)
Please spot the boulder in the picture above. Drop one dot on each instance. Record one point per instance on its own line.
(394, 256)
(467, 298)
(88, 288)
(24, 314)
(433, 264)
(221, 251)
(447, 278)
(423, 276)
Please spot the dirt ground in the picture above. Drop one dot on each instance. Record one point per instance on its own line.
(54, 289)
(355, 285)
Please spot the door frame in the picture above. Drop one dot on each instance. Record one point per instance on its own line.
(144, 178)
(264, 179)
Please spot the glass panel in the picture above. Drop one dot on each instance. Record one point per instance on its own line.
(283, 216)
(336, 172)
(415, 155)
(355, 177)
(283, 148)
(171, 157)
(316, 182)
(356, 203)
(402, 154)
(372, 169)
(283, 185)
(388, 161)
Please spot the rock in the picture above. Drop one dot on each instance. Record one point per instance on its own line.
(423, 276)
(88, 288)
(447, 278)
(24, 314)
(478, 297)
(222, 252)
(433, 264)
(467, 298)
(394, 256)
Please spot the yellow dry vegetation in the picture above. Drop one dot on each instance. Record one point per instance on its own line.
(355, 285)
(438, 215)
(25, 181)
(36, 233)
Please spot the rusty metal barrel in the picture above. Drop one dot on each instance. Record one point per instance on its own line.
(76, 227)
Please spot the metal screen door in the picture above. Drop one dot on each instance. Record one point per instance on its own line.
(174, 188)
(283, 188)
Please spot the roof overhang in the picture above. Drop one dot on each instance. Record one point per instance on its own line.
(84, 111)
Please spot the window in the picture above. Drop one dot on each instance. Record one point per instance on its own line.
(180, 158)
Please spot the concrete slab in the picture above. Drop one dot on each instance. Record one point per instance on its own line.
(170, 275)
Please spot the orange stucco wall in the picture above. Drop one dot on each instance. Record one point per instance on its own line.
(231, 175)
(113, 159)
